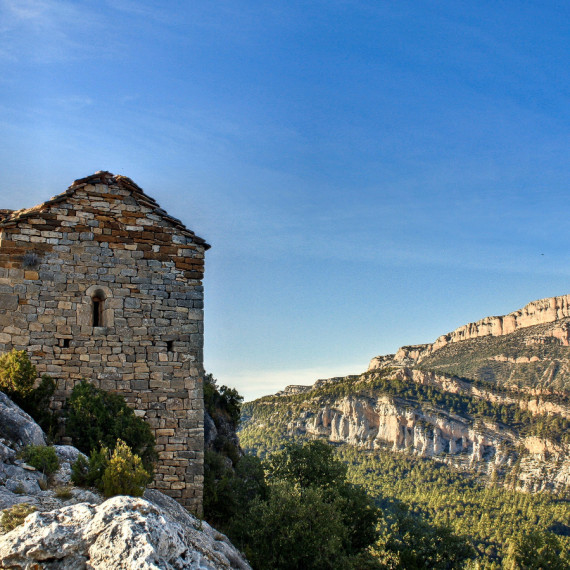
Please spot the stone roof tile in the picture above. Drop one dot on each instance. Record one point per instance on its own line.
(12, 217)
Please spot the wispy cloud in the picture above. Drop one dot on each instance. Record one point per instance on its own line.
(47, 30)
(74, 102)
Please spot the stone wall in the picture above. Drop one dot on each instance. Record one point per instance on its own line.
(100, 283)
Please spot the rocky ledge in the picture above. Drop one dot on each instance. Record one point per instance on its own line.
(543, 311)
(375, 421)
(80, 529)
(122, 533)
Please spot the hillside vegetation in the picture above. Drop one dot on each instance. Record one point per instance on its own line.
(527, 358)
(470, 435)
(422, 497)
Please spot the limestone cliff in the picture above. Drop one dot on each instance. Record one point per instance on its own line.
(383, 411)
(541, 312)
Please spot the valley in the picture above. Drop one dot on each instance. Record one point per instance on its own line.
(471, 431)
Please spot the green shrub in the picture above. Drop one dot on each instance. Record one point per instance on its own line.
(124, 474)
(223, 400)
(228, 493)
(17, 373)
(42, 457)
(79, 471)
(97, 418)
(294, 528)
(15, 516)
(37, 405)
(64, 492)
(89, 472)
(17, 378)
(305, 514)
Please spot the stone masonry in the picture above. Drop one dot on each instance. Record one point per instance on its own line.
(101, 283)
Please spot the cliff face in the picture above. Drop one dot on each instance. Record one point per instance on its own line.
(541, 312)
(372, 423)
(368, 419)
(535, 313)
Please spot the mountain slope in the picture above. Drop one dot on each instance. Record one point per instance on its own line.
(528, 348)
(455, 429)
(496, 403)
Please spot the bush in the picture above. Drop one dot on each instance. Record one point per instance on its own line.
(124, 474)
(97, 418)
(42, 457)
(64, 492)
(306, 515)
(118, 473)
(225, 401)
(37, 405)
(308, 465)
(295, 528)
(314, 466)
(17, 378)
(89, 472)
(15, 516)
(17, 373)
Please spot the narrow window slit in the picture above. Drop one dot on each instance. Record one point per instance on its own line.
(97, 311)
(169, 345)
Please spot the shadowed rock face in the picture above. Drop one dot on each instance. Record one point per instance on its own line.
(18, 427)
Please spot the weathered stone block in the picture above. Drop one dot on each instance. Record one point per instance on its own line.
(8, 302)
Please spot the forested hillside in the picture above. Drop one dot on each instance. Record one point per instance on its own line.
(420, 497)
(470, 433)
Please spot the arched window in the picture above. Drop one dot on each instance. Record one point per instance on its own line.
(97, 307)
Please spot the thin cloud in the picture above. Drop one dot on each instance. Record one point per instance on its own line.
(46, 31)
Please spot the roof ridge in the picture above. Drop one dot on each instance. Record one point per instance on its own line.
(12, 217)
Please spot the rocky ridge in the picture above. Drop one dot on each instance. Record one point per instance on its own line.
(83, 530)
(543, 311)
(372, 421)
(521, 360)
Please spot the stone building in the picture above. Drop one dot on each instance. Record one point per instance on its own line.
(101, 283)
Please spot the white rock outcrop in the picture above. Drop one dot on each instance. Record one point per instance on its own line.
(120, 533)
(373, 423)
(83, 531)
(389, 422)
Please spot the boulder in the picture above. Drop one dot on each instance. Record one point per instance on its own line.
(67, 456)
(17, 427)
(121, 533)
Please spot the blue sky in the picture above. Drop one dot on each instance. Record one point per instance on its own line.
(369, 174)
